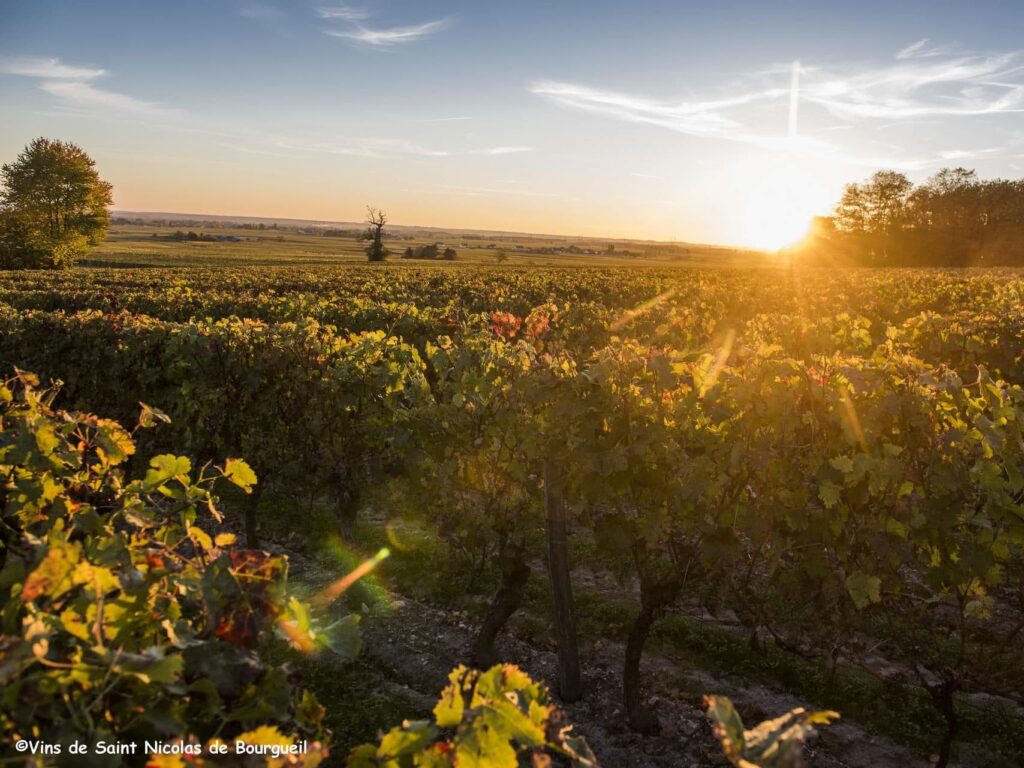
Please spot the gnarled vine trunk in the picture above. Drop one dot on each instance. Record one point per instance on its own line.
(655, 597)
(509, 596)
(943, 700)
(346, 510)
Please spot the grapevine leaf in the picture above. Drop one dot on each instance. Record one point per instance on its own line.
(240, 473)
(829, 492)
(863, 589)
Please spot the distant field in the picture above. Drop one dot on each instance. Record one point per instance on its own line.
(151, 245)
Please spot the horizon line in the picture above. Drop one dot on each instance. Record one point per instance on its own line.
(476, 230)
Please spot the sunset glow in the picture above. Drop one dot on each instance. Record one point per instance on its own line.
(691, 127)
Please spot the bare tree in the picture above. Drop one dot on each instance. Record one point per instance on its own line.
(377, 219)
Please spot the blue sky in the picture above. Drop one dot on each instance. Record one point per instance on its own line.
(721, 122)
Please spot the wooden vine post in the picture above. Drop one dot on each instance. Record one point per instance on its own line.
(570, 685)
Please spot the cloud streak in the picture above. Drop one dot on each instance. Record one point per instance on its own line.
(707, 119)
(86, 96)
(375, 36)
(72, 87)
(925, 81)
(33, 66)
(960, 86)
(380, 37)
(921, 50)
(343, 13)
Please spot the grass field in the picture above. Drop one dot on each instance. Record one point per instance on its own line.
(151, 245)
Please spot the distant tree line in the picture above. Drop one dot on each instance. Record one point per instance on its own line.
(141, 221)
(431, 251)
(952, 219)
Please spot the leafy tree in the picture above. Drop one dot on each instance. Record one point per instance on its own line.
(53, 206)
(953, 219)
(879, 205)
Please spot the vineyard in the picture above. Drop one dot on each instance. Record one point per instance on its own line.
(807, 481)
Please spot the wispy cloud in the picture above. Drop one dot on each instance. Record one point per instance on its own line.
(912, 88)
(501, 150)
(83, 95)
(73, 88)
(921, 49)
(374, 36)
(969, 154)
(33, 66)
(343, 13)
(698, 118)
(380, 37)
(706, 119)
(925, 82)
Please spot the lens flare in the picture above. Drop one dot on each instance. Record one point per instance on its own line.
(332, 592)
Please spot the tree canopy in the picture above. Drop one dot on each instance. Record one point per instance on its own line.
(53, 206)
(952, 219)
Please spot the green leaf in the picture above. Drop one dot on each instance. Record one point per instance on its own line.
(728, 726)
(775, 743)
(829, 493)
(54, 575)
(240, 473)
(410, 738)
(449, 709)
(842, 463)
(864, 589)
(149, 416)
(163, 468)
(151, 666)
(114, 443)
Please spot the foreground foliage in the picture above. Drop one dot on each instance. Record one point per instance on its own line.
(833, 459)
(124, 616)
(125, 620)
(495, 718)
(776, 743)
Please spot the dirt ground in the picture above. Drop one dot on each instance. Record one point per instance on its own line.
(412, 645)
(416, 645)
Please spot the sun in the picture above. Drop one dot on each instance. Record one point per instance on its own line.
(775, 201)
(776, 216)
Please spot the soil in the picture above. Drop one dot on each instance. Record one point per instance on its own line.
(412, 646)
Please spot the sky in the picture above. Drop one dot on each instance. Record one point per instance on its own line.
(724, 122)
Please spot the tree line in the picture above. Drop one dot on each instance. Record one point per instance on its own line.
(953, 219)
